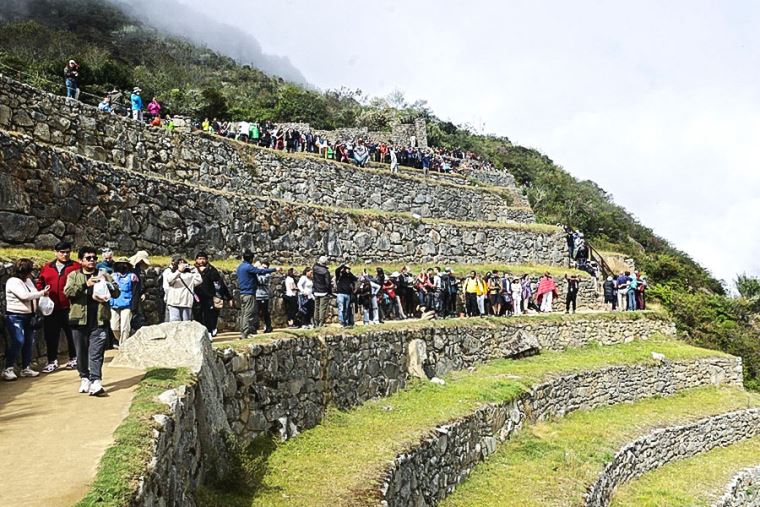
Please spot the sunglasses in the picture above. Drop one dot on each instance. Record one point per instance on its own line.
(90, 257)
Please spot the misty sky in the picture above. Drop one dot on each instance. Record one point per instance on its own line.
(658, 102)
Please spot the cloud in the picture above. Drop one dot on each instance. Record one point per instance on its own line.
(180, 20)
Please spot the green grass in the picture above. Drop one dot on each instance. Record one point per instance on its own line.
(124, 462)
(489, 322)
(40, 256)
(552, 463)
(340, 461)
(694, 482)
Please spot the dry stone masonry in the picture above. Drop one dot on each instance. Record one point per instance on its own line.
(49, 193)
(225, 165)
(429, 471)
(670, 444)
(743, 490)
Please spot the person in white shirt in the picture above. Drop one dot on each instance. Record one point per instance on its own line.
(291, 297)
(306, 298)
(21, 298)
(181, 280)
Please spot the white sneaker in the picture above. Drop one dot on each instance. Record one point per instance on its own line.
(72, 364)
(9, 374)
(84, 385)
(28, 372)
(96, 388)
(50, 367)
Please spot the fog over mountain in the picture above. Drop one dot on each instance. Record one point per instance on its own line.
(180, 20)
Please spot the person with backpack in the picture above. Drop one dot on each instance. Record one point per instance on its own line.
(21, 298)
(121, 307)
(610, 296)
(180, 296)
(263, 296)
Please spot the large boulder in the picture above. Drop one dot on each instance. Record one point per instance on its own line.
(169, 345)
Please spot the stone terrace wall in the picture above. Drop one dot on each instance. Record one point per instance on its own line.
(285, 385)
(670, 444)
(224, 165)
(743, 490)
(47, 194)
(429, 471)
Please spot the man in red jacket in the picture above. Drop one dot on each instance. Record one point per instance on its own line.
(55, 274)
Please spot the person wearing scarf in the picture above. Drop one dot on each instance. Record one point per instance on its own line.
(546, 292)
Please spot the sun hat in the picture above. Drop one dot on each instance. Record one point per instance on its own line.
(141, 256)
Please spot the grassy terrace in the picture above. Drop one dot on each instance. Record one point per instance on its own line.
(340, 461)
(694, 482)
(40, 256)
(124, 462)
(492, 322)
(553, 463)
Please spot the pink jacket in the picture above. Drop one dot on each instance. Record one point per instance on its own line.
(154, 108)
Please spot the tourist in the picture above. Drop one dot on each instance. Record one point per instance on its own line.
(573, 284)
(137, 105)
(306, 298)
(422, 286)
(322, 288)
(610, 297)
(263, 296)
(247, 275)
(482, 292)
(254, 134)
(154, 109)
(526, 294)
(140, 262)
(71, 74)
(546, 293)
(54, 274)
(641, 302)
(453, 290)
(390, 289)
(394, 161)
(379, 281)
(105, 105)
(211, 294)
(121, 307)
(21, 296)
(364, 298)
(361, 153)
(180, 285)
(505, 286)
(290, 299)
(344, 290)
(494, 293)
(517, 297)
(622, 290)
(107, 263)
(470, 289)
(633, 283)
(89, 292)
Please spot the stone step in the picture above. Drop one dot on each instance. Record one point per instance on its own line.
(225, 164)
(53, 193)
(722, 477)
(579, 459)
(424, 440)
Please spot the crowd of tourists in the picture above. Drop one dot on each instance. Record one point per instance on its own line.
(626, 292)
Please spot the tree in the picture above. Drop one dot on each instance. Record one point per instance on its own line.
(748, 286)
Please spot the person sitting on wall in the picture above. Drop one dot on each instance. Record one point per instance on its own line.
(105, 105)
(361, 153)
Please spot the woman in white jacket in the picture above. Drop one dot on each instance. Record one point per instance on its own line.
(20, 305)
(181, 281)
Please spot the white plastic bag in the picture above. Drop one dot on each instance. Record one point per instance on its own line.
(46, 305)
(100, 292)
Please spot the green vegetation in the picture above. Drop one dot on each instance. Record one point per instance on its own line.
(124, 462)
(694, 482)
(339, 462)
(552, 463)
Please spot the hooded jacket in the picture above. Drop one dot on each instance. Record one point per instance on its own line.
(57, 281)
(322, 279)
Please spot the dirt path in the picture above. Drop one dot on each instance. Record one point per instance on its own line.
(52, 438)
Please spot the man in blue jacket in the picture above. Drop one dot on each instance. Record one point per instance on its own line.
(137, 105)
(247, 275)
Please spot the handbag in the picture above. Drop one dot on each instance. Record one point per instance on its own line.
(37, 320)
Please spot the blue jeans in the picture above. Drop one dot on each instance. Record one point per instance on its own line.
(631, 300)
(71, 88)
(344, 309)
(22, 339)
